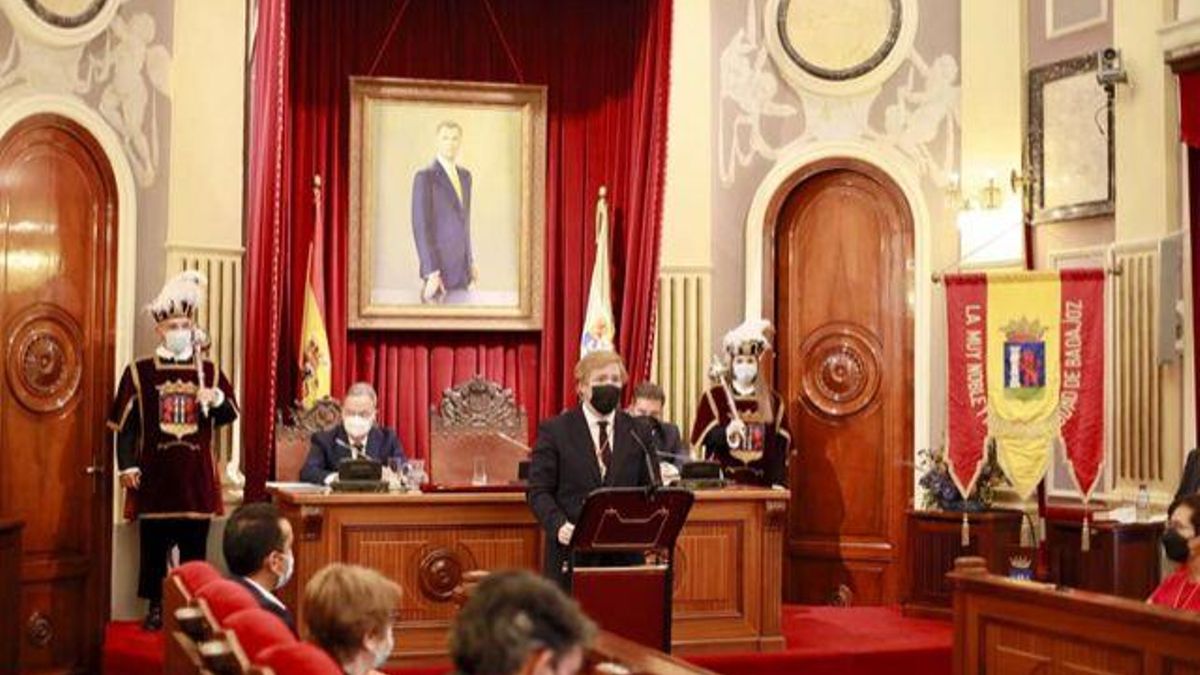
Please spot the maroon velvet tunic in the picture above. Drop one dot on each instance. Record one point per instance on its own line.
(164, 432)
(770, 437)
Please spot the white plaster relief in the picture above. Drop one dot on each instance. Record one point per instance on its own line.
(923, 113)
(123, 66)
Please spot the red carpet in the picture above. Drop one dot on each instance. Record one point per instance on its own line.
(867, 640)
(820, 641)
(129, 650)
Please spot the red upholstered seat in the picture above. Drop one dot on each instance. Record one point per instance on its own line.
(257, 629)
(195, 574)
(299, 658)
(224, 597)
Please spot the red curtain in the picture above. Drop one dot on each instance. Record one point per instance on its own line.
(267, 228)
(605, 65)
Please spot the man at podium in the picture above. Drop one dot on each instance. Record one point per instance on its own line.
(586, 447)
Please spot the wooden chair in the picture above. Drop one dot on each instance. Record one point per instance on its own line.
(292, 438)
(477, 419)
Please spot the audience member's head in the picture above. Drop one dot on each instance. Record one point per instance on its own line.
(599, 377)
(1181, 541)
(348, 610)
(258, 545)
(358, 410)
(648, 401)
(517, 623)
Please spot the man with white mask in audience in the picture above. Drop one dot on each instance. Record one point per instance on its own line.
(358, 436)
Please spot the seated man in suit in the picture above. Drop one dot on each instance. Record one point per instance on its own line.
(258, 552)
(648, 401)
(356, 436)
(582, 449)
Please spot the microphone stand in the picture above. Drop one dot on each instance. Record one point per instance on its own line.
(648, 457)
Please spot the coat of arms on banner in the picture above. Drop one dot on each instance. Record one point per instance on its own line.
(178, 410)
(1024, 357)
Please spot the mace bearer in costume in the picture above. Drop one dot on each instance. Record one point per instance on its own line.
(166, 408)
(740, 419)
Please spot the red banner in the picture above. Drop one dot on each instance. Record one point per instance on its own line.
(966, 338)
(1081, 407)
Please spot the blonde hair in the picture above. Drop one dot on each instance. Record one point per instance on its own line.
(594, 361)
(343, 604)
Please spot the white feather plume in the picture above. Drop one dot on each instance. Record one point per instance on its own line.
(751, 330)
(185, 289)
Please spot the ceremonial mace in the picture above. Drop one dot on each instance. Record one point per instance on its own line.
(716, 373)
(200, 345)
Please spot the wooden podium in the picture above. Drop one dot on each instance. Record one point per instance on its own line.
(629, 521)
(728, 559)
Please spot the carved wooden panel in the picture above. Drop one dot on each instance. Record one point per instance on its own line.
(45, 360)
(711, 573)
(1016, 649)
(428, 561)
(841, 369)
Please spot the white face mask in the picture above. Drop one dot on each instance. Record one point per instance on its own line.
(744, 373)
(356, 426)
(177, 340)
(384, 649)
(289, 566)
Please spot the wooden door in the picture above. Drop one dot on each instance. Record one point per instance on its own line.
(58, 258)
(843, 245)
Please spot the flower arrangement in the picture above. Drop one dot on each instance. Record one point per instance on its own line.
(939, 490)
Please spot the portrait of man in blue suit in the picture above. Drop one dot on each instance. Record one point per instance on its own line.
(441, 221)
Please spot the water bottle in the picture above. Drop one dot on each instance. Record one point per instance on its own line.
(1142, 507)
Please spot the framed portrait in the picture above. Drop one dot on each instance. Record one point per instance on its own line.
(1070, 142)
(447, 205)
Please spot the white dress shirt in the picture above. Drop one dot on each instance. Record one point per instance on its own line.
(592, 418)
(267, 594)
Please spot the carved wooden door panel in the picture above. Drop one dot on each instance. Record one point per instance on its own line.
(58, 258)
(844, 366)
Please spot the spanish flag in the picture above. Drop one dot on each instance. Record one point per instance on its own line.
(1026, 375)
(598, 325)
(314, 341)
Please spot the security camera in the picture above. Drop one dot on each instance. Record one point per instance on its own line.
(1109, 69)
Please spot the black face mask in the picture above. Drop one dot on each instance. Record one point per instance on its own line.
(605, 397)
(1175, 546)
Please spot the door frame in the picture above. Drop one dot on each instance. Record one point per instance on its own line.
(801, 161)
(14, 110)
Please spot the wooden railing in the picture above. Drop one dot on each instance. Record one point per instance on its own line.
(1015, 627)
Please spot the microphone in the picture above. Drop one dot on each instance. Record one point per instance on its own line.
(647, 453)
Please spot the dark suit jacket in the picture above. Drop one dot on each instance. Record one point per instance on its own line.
(675, 452)
(263, 601)
(326, 451)
(1189, 481)
(564, 471)
(442, 224)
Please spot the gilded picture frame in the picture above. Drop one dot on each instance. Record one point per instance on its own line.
(1071, 142)
(447, 202)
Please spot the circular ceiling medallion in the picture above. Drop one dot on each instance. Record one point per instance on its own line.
(839, 47)
(841, 369)
(66, 13)
(44, 362)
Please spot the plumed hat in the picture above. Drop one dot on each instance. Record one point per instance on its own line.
(751, 338)
(180, 297)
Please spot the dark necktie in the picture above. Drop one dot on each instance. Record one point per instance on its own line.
(605, 446)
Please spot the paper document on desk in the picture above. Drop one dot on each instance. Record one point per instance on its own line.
(294, 486)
